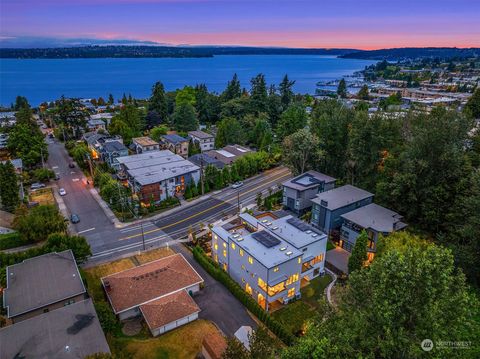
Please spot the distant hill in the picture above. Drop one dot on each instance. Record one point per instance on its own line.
(157, 51)
(413, 53)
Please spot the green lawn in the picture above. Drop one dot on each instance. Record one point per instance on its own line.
(330, 245)
(294, 316)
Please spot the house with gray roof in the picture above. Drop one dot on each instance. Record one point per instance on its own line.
(157, 175)
(71, 331)
(111, 150)
(205, 140)
(203, 160)
(176, 144)
(42, 284)
(328, 206)
(298, 191)
(374, 219)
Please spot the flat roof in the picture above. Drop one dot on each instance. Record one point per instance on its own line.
(174, 138)
(161, 172)
(168, 309)
(136, 286)
(376, 217)
(200, 134)
(148, 158)
(42, 280)
(297, 235)
(144, 141)
(341, 197)
(309, 179)
(72, 331)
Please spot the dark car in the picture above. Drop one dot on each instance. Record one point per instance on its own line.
(74, 218)
(71, 165)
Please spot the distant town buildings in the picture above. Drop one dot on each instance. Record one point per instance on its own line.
(144, 144)
(176, 144)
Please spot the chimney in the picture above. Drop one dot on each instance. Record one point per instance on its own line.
(107, 286)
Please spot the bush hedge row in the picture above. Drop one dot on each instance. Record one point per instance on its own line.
(216, 272)
(11, 240)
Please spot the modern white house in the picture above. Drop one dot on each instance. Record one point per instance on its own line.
(270, 257)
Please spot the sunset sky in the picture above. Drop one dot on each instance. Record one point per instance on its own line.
(363, 24)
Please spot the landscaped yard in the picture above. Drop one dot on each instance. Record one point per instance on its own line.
(183, 342)
(294, 316)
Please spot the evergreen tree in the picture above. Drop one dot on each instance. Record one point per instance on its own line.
(292, 120)
(111, 100)
(286, 91)
(233, 89)
(229, 132)
(21, 102)
(472, 108)
(9, 198)
(363, 94)
(359, 253)
(184, 118)
(342, 89)
(258, 95)
(158, 101)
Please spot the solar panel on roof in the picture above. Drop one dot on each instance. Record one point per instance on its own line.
(266, 239)
(301, 225)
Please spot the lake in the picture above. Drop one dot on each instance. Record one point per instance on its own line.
(47, 79)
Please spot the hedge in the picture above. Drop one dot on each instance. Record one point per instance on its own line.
(11, 240)
(216, 272)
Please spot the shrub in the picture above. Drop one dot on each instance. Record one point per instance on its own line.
(11, 240)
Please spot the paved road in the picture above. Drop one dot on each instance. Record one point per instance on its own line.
(176, 225)
(215, 300)
(78, 199)
(108, 242)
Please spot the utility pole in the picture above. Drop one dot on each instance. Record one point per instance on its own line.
(121, 201)
(143, 236)
(238, 201)
(90, 166)
(201, 173)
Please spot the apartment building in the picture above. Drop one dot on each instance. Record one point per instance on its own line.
(298, 191)
(156, 175)
(270, 257)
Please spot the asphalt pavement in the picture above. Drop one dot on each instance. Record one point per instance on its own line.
(109, 242)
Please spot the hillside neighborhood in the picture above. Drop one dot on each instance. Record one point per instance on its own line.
(202, 225)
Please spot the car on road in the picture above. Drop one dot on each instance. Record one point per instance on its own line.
(62, 192)
(37, 185)
(237, 185)
(74, 218)
(71, 165)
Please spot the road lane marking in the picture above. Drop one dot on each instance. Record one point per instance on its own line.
(201, 212)
(86, 230)
(75, 179)
(54, 167)
(129, 229)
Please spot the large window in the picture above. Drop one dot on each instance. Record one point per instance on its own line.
(276, 289)
(215, 246)
(250, 260)
(233, 246)
(262, 284)
(225, 253)
(292, 279)
(291, 292)
(241, 252)
(224, 245)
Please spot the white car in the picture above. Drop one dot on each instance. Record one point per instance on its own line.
(62, 192)
(237, 185)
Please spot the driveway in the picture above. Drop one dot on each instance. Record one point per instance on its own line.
(216, 302)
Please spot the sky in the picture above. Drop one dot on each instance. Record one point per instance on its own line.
(359, 24)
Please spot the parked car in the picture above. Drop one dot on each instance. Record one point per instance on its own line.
(74, 218)
(237, 185)
(37, 185)
(71, 165)
(57, 177)
(62, 192)
(51, 135)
